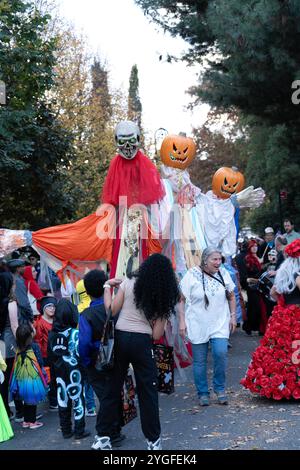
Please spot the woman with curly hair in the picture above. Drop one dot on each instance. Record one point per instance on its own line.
(145, 302)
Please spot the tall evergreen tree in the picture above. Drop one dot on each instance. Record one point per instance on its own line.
(100, 89)
(249, 57)
(33, 145)
(134, 102)
(89, 110)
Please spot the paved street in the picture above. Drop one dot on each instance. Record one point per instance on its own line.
(246, 423)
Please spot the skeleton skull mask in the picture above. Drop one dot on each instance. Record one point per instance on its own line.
(127, 135)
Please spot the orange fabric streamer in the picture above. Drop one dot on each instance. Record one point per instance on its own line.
(80, 240)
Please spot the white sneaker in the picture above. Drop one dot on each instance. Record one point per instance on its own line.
(101, 443)
(154, 445)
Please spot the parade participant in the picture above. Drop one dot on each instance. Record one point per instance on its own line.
(63, 354)
(43, 325)
(280, 244)
(273, 371)
(137, 214)
(84, 302)
(91, 324)
(198, 219)
(144, 302)
(84, 299)
(256, 310)
(266, 246)
(29, 379)
(17, 268)
(8, 327)
(210, 316)
(33, 259)
(34, 293)
(117, 233)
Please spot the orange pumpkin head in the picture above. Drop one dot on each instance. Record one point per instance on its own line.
(177, 151)
(227, 181)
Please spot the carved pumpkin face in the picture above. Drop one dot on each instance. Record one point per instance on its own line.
(177, 151)
(227, 181)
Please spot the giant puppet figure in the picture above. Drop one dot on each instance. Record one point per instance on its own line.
(200, 219)
(113, 233)
(141, 214)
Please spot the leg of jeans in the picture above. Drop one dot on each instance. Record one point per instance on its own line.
(89, 396)
(219, 352)
(29, 413)
(200, 368)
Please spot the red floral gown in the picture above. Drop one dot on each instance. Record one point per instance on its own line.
(274, 371)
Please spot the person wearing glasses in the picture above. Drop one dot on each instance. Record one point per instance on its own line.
(43, 325)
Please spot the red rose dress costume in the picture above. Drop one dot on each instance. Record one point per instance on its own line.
(274, 371)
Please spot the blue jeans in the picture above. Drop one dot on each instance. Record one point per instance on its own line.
(219, 348)
(89, 397)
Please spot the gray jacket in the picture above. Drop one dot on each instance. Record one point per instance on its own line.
(24, 309)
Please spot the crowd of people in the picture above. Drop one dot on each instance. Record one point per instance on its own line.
(51, 337)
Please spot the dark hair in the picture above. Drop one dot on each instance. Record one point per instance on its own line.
(289, 220)
(24, 336)
(251, 260)
(281, 239)
(66, 315)
(33, 253)
(156, 289)
(93, 283)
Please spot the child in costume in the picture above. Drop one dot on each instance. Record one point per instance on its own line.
(84, 302)
(43, 326)
(6, 431)
(29, 379)
(63, 353)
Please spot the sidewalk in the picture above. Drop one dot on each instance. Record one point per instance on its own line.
(247, 422)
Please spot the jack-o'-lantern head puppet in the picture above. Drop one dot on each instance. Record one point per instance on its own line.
(227, 181)
(127, 136)
(177, 151)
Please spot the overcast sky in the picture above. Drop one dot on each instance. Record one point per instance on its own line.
(121, 34)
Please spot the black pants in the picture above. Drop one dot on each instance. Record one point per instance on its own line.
(4, 390)
(65, 416)
(52, 394)
(253, 311)
(98, 381)
(29, 413)
(134, 348)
